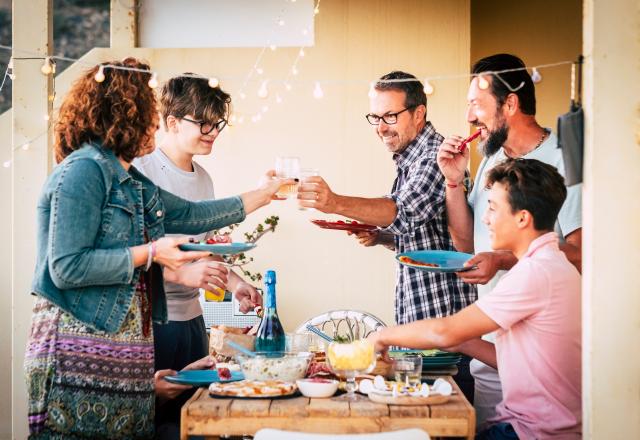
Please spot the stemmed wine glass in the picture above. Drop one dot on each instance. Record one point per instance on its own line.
(349, 360)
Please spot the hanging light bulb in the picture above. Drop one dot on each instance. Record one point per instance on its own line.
(10, 65)
(278, 99)
(294, 70)
(214, 82)
(99, 77)
(535, 76)
(233, 119)
(153, 82)
(263, 92)
(317, 91)
(243, 95)
(259, 70)
(26, 146)
(316, 10)
(265, 108)
(46, 117)
(301, 53)
(241, 120)
(305, 31)
(482, 82)
(6, 163)
(254, 118)
(281, 22)
(47, 67)
(372, 91)
(272, 47)
(287, 86)
(428, 88)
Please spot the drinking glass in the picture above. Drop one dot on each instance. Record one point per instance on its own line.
(297, 342)
(288, 168)
(305, 173)
(408, 370)
(349, 360)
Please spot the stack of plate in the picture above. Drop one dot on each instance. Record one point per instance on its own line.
(431, 359)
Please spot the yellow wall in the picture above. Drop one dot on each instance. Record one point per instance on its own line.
(356, 41)
(539, 32)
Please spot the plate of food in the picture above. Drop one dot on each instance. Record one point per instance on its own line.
(217, 248)
(345, 225)
(398, 393)
(253, 389)
(203, 378)
(435, 261)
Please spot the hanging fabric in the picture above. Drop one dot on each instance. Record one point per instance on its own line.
(571, 129)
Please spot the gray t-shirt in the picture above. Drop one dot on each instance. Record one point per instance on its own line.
(182, 302)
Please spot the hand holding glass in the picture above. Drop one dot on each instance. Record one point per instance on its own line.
(287, 168)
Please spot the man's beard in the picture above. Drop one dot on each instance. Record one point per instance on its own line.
(495, 141)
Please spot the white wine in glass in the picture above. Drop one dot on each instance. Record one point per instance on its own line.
(288, 168)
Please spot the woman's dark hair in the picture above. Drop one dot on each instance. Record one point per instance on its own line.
(504, 61)
(534, 186)
(413, 90)
(183, 96)
(120, 112)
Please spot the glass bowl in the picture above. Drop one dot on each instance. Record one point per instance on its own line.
(285, 366)
(349, 360)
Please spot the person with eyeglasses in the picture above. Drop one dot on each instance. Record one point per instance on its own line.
(412, 216)
(193, 115)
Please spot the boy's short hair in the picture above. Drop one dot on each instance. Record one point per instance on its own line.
(534, 186)
(181, 96)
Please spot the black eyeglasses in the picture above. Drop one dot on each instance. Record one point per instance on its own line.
(208, 127)
(389, 118)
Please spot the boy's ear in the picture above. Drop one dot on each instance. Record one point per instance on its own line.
(524, 219)
(171, 124)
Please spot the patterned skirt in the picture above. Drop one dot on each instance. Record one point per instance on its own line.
(84, 383)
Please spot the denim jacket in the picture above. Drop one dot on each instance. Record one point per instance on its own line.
(90, 213)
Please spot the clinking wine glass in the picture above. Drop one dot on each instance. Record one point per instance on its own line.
(288, 168)
(349, 360)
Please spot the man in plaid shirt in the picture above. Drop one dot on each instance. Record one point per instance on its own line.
(413, 216)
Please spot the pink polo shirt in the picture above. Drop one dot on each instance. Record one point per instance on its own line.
(537, 306)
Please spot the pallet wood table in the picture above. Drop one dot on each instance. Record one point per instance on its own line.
(208, 416)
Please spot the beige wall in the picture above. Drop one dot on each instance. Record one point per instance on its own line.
(356, 41)
(539, 32)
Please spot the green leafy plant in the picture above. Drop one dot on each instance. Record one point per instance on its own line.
(240, 260)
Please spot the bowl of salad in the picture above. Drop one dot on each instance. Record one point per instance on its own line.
(285, 366)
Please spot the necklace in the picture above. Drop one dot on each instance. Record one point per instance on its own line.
(545, 133)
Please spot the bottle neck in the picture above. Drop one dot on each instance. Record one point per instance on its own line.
(270, 297)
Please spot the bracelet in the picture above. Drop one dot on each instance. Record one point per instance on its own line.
(453, 185)
(149, 255)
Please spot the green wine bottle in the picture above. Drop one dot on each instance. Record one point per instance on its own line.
(270, 336)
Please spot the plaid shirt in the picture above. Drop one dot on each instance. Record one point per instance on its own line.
(421, 223)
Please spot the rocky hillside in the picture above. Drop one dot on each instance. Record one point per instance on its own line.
(78, 26)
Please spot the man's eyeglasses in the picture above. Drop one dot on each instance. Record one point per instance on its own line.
(389, 118)
(208, 127)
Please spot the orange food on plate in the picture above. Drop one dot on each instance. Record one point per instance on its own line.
(413, 262)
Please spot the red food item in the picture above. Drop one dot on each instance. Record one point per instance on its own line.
(340, 222)
(219, 239)
(319, 369)
(224, 373)
(319, 380)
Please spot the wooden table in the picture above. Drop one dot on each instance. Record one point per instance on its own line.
(208, 416)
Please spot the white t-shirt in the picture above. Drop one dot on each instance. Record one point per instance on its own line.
(182, 301)
(488, 389)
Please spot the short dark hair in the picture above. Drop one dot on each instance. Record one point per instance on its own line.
(413, 90)
(504, 61)
(534, 186)
(185, 95)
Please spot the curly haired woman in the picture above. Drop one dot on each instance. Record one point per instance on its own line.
(98, 277)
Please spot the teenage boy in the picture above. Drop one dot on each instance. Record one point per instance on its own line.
(535, 309)
(193, 116)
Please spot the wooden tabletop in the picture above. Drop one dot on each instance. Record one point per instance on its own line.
(209, 416)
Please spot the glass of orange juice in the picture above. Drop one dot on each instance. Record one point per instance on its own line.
(288, 167)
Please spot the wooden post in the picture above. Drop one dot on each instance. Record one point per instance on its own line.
(32, 38)
(124, 23)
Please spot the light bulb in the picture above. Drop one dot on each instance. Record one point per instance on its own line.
(317, 91)
(273, 47)
(26, 146)
(214, 82)
(301, 53)
(428, 88)
(47, 67)
(305, 31)
(243, 95)
(153, 82)
(281, 22)
(483, 83)
(265, 108)
(6, 163)
(10, 65)
(278, 99)
(316, 10)
(233, 119)
(46, 117)
(12, 76)
(263, 92)
(372, 91)
(99, 77)
(287, 86)
(260, 70)
(241, 120)
(294, 70)
(535, 76)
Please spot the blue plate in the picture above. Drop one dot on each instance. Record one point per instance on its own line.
(219, 249)
(447, 261)
(201, 378)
